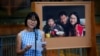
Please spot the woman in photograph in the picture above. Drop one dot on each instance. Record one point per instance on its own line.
(76, 29)
(52, 28)
(26, 38)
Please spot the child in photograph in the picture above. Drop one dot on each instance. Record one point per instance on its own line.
(76, 29)
(52, 28)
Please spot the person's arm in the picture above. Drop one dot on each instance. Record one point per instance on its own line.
(60, 31)
(18, 46)
(61, 28)
(43, 40)
(44, 44)
(79, 30)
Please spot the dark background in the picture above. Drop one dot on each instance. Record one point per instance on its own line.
(53, 11)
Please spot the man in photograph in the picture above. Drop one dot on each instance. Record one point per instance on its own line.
(63, 21)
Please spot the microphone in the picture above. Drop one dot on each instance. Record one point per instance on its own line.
(36, 38)
(36, 33)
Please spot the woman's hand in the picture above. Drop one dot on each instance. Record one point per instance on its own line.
(20, 51)
(28, 47)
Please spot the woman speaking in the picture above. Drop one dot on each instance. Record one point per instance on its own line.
(30, 41)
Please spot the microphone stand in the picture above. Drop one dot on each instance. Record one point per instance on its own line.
(36, 38)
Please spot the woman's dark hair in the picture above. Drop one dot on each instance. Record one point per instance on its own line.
(30, 16)
(76, 14)
(72, 27)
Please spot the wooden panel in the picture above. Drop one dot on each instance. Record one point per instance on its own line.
(51, 53)
(97, 29)
(92, 51)
(10, 29)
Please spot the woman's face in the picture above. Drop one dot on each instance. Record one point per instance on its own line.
(31, 23)
(73, 19)
(51, 22)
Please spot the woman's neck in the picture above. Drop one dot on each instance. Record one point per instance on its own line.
(29, 29)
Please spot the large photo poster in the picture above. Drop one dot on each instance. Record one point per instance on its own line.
(65, 24)
(63, 21)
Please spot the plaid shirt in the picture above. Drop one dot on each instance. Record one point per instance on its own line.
(28, 38)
